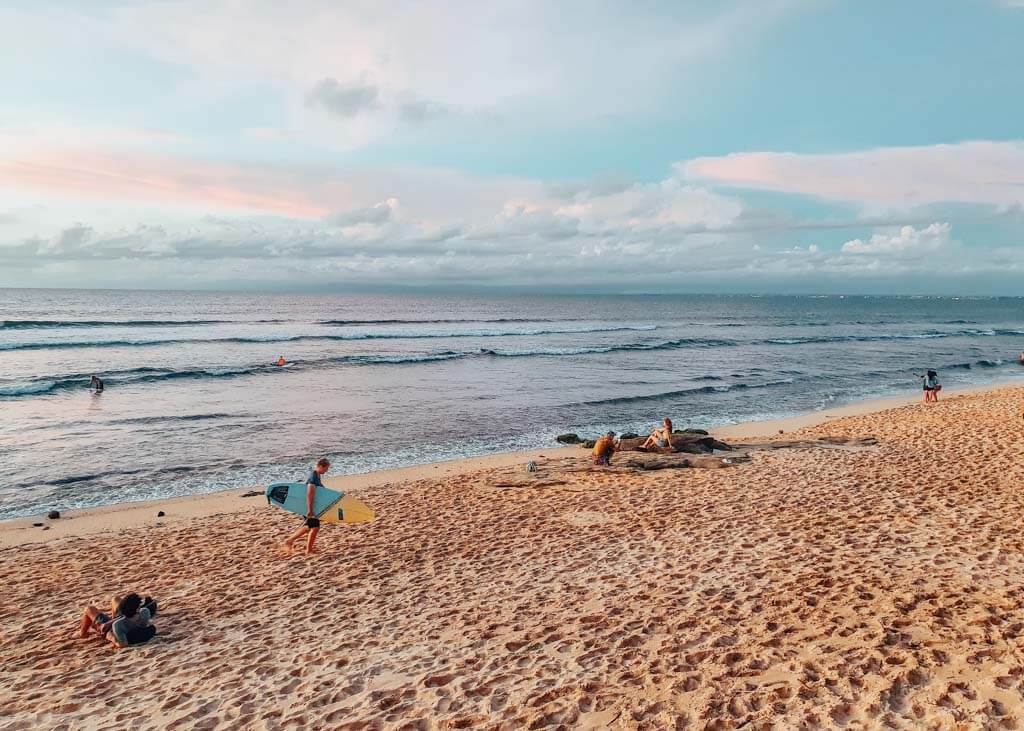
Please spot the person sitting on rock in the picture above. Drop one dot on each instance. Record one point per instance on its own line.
(661, 438)
(604, 448)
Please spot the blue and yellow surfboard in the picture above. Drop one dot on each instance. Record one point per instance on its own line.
(330, 506)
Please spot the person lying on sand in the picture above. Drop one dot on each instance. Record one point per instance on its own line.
(661, 438)
(126, 624)
(312, 523)
(604, 448)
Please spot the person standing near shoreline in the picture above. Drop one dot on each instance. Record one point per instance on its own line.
(931, 385)
(312, 523)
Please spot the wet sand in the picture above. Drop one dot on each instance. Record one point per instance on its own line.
(807, 587)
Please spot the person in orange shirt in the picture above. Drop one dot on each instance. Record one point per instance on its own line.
(604, 448)
(281, 361)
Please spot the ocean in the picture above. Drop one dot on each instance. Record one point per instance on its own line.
(195, 403)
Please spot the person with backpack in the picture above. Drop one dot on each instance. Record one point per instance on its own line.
(930, 380)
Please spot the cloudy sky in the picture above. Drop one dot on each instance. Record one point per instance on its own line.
(761, 145)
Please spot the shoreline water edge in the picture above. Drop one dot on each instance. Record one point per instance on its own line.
(196, 399)
(119, 516)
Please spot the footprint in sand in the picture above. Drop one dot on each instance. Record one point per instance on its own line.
(586, 518)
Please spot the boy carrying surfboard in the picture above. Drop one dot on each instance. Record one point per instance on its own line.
(312, 524)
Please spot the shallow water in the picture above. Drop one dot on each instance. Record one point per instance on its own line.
(194, 402)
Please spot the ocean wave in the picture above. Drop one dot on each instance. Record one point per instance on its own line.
(982, 363)
(172, 417)
(589, 349)
(79, 381)
(30, 388)
(686, 392)
(47, 324)
(929, 335)
(355, 323)
(400, 335)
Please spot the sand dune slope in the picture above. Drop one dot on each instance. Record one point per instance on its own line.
(805, 588)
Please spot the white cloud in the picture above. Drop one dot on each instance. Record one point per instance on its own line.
(907, 241)
(983, 172)
(394, 61)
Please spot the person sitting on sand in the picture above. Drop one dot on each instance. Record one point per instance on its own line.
(312, 523)
(126, 624)
(661, 438)
(96, 384)
(281, 361)
(604, 448)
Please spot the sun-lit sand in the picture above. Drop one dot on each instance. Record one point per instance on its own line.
(865, 588)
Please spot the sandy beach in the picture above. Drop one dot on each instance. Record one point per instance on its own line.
(805, 587)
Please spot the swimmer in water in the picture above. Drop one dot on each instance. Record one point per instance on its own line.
(96, 384)
(281, 361)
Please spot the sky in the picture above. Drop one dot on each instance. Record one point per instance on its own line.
(803, 146)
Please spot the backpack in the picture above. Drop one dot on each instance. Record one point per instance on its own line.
(140, 635)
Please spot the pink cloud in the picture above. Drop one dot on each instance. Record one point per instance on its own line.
(969, 172)
(192, 184)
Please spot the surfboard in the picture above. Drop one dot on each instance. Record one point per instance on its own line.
(330, 506)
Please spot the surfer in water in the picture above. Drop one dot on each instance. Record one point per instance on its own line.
(312, 523)
(96, 384)
(281, 361)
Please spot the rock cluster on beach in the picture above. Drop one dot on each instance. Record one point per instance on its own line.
(691, 441)
(865, 573)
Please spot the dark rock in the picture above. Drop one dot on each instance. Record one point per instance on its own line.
(161, 514)
(568, 439)
(37, 525)
(53, 514)
(588, 444)
(691, 431)
(629, 435)
(687, 443)
(253, 493)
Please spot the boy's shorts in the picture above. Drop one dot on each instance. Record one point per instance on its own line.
(101, 619)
